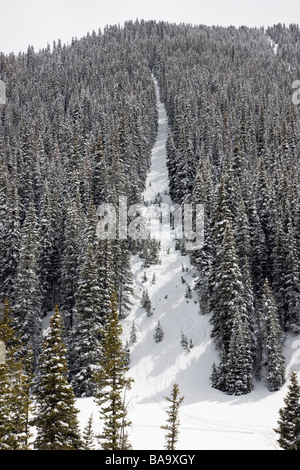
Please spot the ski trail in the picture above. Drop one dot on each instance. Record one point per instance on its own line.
(157, 180)
(209, 418)
(155, 367)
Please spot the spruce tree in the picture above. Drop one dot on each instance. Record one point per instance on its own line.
(239, 364)
(259, 254)
(106, 275)
(70, 260)
(49, 248)
(289, 417)
(158, 333)
(122, 276)
(15, 388)
(146, 303)
(286, 276)
(27, 290)
(173, 422)
(219, 372)
(10, 241)
(56, 416)
(100, 182)
(227, 294)
(248, 308)
(88, 435)
(111, 381)
(272, 340)
(184, 342)
(133, 331)
(84, 341)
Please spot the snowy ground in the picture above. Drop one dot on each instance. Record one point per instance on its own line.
(210, 420)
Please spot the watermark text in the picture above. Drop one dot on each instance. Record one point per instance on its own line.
(159, 221)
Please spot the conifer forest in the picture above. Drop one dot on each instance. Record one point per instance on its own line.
(77, 131)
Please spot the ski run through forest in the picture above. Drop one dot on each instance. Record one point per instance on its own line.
(207, 416)
(163, 115)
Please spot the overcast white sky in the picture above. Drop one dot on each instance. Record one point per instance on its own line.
(38, 22)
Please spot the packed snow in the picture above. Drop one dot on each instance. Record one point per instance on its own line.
(210, 419)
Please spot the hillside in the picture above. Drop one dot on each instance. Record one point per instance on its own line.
(160, 116)
(210, 419)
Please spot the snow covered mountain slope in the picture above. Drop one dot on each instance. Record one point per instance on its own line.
(209, 418)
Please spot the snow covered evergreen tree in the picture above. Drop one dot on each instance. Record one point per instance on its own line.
(27, 290)
(133, 331)
(70, 260)
(158, 333)
(106, 275)
(272, 340)
(111, 381)
(48, 218)
(16, 402)
(289, 417)
(239, 365)
(227, 295)
(88, 435)
(123, 277)
(10, 240)
(173, 422)
(56, 418)
(85, 335)
(146, 303)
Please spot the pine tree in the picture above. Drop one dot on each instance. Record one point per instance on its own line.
(27, 291)
(292, 282)
(259, 255)
(49, 249)
(88, 435)
(56, 416)
(188, 293)
(272, 340)
(279, 270)
(286, 276)
(70, 260)
(242, 231)
(146, 303)
(106, 275)
(239, 365)
(133, 331)
(227, 293)
(221, 213)
(111, 381)
(248, 308)
(15, 387)
(100, 183)
(173, 422)
(84, 340)
(158, 333)
(289, 417)
(127, 353)
(88, 236)
(219, 372)
(122, 276)
(184, 342)
(10, 241)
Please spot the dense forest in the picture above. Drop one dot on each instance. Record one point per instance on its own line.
(77, 130)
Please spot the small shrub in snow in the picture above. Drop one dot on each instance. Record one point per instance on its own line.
(158, 334)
